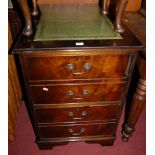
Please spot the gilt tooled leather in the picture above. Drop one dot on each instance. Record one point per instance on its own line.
(74, 23)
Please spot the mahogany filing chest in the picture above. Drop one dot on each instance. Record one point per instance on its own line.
(76, 93)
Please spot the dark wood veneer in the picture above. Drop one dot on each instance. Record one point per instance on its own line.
(75, 114)
(51, 94)
(55, 68)
(76, 130)
(44, 67)
(48, 87)
(48, 143)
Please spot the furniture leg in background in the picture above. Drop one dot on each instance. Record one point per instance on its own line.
(105, 6)
(35, 10)
(138, 102)
(120, 6)
(27, 31)
(28, 21)
(120, 10)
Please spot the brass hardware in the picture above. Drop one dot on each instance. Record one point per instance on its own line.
(70, 66)
(76, 134)
(84, 113)
(77, 118)
(70, 130)
(87, 66)
(85, 92)
(77, 98)
(70, 114)
(70, 93)
(82, 130)
(78, 73)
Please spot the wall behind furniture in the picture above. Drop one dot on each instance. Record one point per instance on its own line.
(133, 5)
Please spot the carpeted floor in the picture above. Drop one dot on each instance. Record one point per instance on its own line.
(25, 141)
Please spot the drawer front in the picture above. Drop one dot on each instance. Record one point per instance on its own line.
(48, 94)
(76, 67)
(74, 114)
(74, 130)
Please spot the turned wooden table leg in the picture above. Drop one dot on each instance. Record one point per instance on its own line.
(120, 10)
(27, 31)
(105, 6)
(35, 10)
(137, 103)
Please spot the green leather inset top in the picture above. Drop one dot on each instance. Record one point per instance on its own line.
(73, 23)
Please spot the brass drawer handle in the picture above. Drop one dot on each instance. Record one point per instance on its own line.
(85, 92)
(77, 98)
(87, 66)
(71, 94)
(78, 73)
(84, 113)
(70, 66)
(71, 131)
(71, 114)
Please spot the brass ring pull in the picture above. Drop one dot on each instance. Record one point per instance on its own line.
(87, 66)
(77, 98)
(78, 73)
(71, 94)
(71, 67)
(83, 113)
(77, 118)
(85, 92)
(71, 114)
(71, 131)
